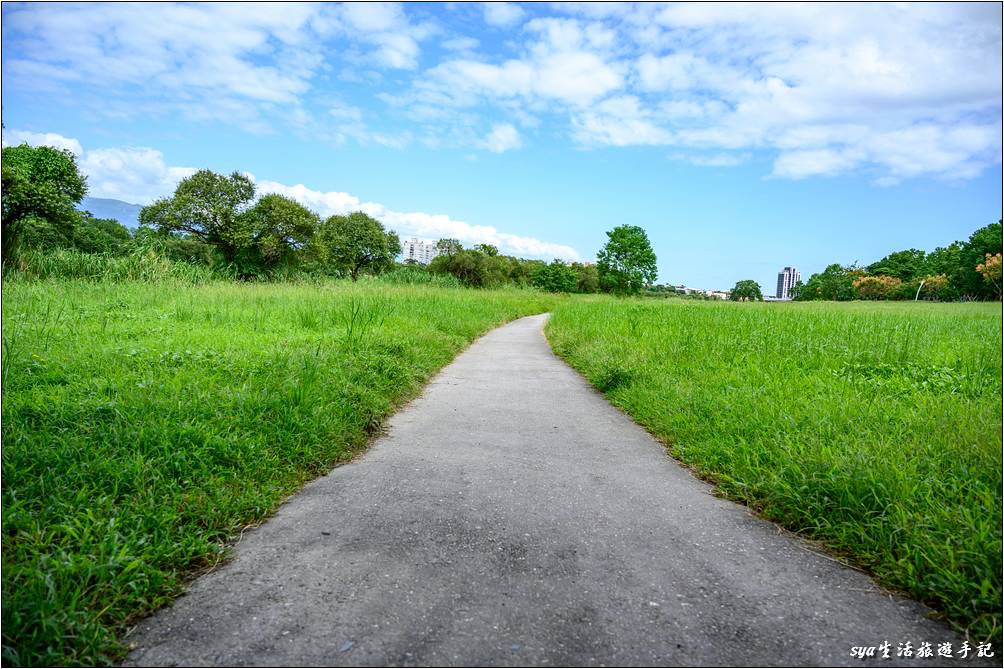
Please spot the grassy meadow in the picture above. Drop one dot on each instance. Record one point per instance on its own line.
(872, 427)
(145, 424)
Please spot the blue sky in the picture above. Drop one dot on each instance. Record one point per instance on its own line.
(742, 137)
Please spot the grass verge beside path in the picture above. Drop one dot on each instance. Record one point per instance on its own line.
(875, 428)
(145, 424)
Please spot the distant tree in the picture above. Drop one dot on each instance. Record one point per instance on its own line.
(626, 262)
(990, 270)
(935, 287)
(876, 287)
(39, 184)
(357, 243)
(280, 227)
(207, 206)
(795, 292)
(588, 279)
(100, 235)
(746, 290)
(903, 265)
(449, 247)
(556, 277)
(836, 282)
(468, 265)
(487, 249)
(966, 278)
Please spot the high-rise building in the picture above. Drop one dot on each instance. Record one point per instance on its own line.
(786, 280)
(419, 251)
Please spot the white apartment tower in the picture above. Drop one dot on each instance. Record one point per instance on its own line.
(419, 251)
(786, 280)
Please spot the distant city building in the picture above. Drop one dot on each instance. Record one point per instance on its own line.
(419, 251)
(786, 280)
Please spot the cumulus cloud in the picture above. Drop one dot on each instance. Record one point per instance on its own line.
(503, 137)
(16, 137)
(420, 224)
(502, 14)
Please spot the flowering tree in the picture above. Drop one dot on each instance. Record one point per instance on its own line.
(876, 287)
(990, 269)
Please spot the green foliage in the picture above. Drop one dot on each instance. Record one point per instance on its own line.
(40, 186)
(557, 277)
(956, 265)
(207, 206)
(144, 425)
(101, 235)
(349, 245)
(872, 427)
(626, 262)
(449, 246)
(902, 265)
(746, 290)
(280, 227)
(587, 277)
(833, 283)
(470, 267)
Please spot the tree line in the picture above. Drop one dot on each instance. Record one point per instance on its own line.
(969, 270)
(218, 220)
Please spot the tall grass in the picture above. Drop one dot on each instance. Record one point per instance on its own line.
(875, 428)
(145, 424)
(142, 264)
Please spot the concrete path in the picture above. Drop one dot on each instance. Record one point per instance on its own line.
(511, 516)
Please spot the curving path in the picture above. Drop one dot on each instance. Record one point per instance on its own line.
(511, 516)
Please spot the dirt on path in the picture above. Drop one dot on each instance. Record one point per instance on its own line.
(511, 516)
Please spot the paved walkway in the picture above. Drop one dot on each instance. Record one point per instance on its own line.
(511, 516)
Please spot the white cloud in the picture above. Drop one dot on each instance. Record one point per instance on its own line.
(713, 160)
(503, 137)
(17, 137)
(136, 175)
(420, 224)
(460, 44)
(502, 14)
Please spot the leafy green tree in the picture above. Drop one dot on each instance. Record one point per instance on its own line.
(468, 265)
(556, 277)
(280, 228)
(626, 262)
(449, 247)
(588, 277)
(746, 290)
(966, 278)
(902, 265)
(101, 235)
(39, 184)
(487, 249)
(833, 283)
(356, 243)
(207, 206)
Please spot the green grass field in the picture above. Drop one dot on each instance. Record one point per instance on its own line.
(875, 428)
(144, 424)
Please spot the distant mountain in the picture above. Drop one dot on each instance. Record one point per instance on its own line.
(125, 213)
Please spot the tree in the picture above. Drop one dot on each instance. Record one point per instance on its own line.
(357, 243)
(903, 265)
(208, 207)
(627, 261)
(280, 227)
(833, 283)
(449, 247)
(746, 290)
(877, 287)
(100, 235)
(42, 184)
(588, 280)
(487, 249)
(468, 265)
(990, 270)
(966, 278)
(556, 277)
